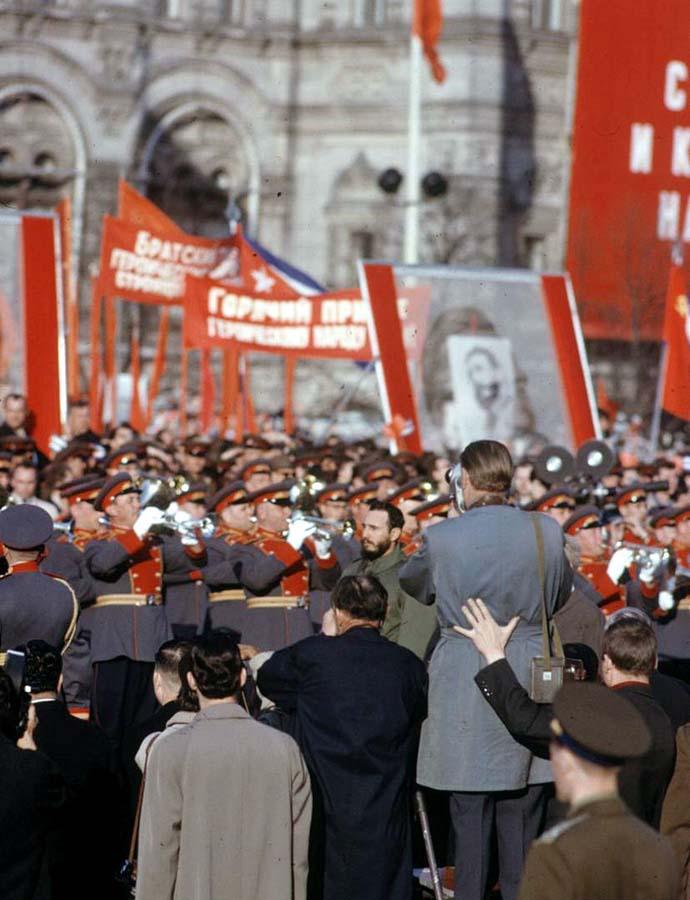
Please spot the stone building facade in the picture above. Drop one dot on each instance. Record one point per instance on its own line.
(291, 109)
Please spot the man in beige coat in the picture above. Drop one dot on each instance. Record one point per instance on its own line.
(227, 801)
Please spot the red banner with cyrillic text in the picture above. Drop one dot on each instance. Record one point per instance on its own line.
(329, 325)
(143, 266)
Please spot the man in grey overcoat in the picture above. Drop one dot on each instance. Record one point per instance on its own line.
(489, 552)
(227, 800)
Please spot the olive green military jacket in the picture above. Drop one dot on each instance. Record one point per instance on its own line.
(407, 623)
(601, 852)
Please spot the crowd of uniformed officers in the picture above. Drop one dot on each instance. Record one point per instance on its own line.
(121, 548)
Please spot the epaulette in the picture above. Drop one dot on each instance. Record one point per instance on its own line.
(552, 835)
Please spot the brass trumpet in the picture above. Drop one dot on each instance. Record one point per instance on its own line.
(326, 529)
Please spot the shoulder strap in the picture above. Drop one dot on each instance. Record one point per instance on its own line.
(549, 630)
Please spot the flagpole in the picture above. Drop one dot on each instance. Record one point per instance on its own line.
(656, 418)
(413, 196)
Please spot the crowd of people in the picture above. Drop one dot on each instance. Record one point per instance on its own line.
(231, 665)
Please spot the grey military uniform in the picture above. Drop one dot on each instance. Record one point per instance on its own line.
(489, 552)
(34, 606)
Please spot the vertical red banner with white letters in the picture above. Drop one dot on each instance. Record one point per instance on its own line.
(630, 182)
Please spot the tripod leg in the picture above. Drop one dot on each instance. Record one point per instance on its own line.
(420, 809)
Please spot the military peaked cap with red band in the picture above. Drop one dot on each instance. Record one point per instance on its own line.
(380, 470)
(417, 489)
(663, 517)
(82, 490)
(84, 451)
(439, 506)
(254, 467)
(363, 494)
(24, 527)
(333, 493)
(255, 442)
(231, 494)
(583, 517)
(121, 483)
(197, 444)
(682, 514)
(194, 493)
(556, 497)
(274, 493)
(127, 453)
(15, 443)
(634, 493)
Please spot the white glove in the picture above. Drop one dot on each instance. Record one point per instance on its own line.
(298, 532)
(189, 539)
(99, 452)
(647, 574)
(665, 600)
(322, 545)
(618, 563)
(146, 519)
(57, 443)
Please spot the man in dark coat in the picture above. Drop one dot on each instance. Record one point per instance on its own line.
(629, 658)
(358, 700)
(82, 754)
(31, 792)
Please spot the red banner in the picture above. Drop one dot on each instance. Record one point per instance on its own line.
(630, 193)
(395, 387)
(675, 393)
(329, 325)
(143, 266)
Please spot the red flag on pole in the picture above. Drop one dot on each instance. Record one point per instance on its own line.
(675, 396)
(427, 24)
(208, 391)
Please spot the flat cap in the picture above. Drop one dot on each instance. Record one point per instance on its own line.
(598, 724)
(24, 527)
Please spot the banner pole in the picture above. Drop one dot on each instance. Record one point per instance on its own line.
(661, 382)
(288, 411)
(110, 359)
(158, 362)
(95, 393)
(184, 376)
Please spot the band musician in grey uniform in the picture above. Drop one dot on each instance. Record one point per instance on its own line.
(490, 552)
(119, 634)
